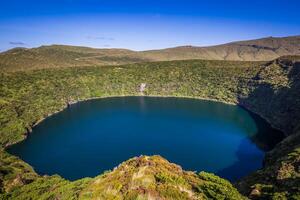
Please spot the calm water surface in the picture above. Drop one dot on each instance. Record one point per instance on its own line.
(93, 136)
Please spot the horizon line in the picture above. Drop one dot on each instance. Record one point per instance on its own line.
(122, 48)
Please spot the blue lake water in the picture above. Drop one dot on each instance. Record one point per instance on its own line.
(96, 135)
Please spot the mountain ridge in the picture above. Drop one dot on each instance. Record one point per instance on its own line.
(56, 56)
(180, 46)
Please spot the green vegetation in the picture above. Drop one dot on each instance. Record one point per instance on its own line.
(280, 178)
(57, 56)
(270, 89)
(29, 96)
(53, 187)
(155, 178)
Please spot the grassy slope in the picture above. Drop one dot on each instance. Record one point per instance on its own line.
(138, 178)
(29, 96)
(154, 178)
(252, 50)
(56, 56)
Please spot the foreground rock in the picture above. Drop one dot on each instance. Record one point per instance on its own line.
(141, 177)
(155, 178)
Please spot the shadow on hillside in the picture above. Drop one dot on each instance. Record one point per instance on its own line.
(281, 106)
(245, 166)
(246, 162)
(248, 159)
(267, 137)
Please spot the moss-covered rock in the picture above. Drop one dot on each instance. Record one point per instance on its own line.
(155, 178)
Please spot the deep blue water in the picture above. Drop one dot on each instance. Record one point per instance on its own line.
(93, 136)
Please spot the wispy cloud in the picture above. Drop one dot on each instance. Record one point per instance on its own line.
(106, 45)
(100, 38)
(17, 43)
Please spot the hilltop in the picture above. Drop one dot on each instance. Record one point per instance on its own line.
(253, 50)
(143, 177)
(57, 56)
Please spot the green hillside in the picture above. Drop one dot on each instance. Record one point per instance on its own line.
(57, 56)
(270, 89)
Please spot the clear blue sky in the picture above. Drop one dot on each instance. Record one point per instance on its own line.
(143, 24)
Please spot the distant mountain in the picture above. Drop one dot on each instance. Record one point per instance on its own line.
(68, 56)
(55, 56)
(253, 50)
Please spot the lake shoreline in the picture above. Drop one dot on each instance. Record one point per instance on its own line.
(70, 103)
(115, 109)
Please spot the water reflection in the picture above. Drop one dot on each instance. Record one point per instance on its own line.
(93, 136)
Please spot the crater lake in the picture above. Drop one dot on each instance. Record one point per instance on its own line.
(93, 136)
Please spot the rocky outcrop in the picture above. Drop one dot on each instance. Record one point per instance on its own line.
(154, 177)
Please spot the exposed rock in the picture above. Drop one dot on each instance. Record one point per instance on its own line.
(142, 87)
(155, 178)
(255, 193)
